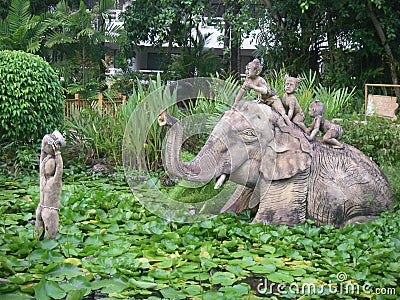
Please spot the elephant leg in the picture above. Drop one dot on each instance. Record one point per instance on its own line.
(283, 201)
(239, 200)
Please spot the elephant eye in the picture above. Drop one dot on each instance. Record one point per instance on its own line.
(249, 132)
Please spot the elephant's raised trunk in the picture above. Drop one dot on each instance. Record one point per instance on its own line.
(203, 168)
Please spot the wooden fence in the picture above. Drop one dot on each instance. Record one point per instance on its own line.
(101, 103)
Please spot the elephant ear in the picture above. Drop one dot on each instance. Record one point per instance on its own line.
(288, 155)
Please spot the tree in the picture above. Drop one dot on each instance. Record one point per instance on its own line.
(76, 46)
(196, 60)
(162, 22)
(20, 30)
(338, 39)
(239, 18)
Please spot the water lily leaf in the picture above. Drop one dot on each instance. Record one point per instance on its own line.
(62, 271)
(273, 261)
(235, 292)
(48, 290)
(166, 263)
(280, 277)
(76, 295)
(241, 253)
(108, 286)
(223, 278)
(74, 261)
(21, 278)
(204, 253)
(297, 272)
(237, 270)
(142, 284)
(212, 295)
(6, 264)
(193, 290)
(159, 274)
(263, 269)
(171, 293)
(207, 263)
(394, 266)
(15, 297)
(268, 248)
(78, 283)
(7, 288)
(47, 244)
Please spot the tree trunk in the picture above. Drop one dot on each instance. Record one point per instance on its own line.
(227, 45)
(386, 46)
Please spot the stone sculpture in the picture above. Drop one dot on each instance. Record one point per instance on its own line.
(265, 94)
(280, 173)
(51, 169)
(290, 103)
(330, 130)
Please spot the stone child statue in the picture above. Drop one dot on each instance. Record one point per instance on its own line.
(265, 94)
(290, 103)
(51, 169)
(330, 130)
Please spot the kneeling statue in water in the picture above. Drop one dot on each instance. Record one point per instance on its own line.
(51, 169)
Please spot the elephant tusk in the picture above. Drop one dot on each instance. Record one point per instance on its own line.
(220, 182)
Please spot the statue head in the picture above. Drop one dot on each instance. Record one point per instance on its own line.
(50, 141)
(292, 84)
(253, 68)
(316, 108)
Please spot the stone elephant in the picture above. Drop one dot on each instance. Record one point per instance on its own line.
(284, 177)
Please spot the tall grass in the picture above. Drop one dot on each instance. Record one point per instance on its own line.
(336, 101)
(94, 134)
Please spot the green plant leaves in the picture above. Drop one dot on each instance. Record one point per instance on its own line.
(122, 251)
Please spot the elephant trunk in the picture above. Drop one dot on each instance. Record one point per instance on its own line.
(203, 168)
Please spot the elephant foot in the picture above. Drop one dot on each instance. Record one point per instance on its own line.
(239, 200)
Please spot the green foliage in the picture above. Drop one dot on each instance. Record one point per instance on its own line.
(109, 245)
(321, 36)
(376, 138)
(96, 134)
(20, 30)
(196, 60)
(31, 98)
(75, 45)
(19, 159)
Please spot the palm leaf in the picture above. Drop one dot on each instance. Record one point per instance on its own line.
(3, 28)
(58, 38)
(18, 15)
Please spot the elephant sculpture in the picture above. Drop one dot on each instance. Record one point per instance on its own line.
(280, 174)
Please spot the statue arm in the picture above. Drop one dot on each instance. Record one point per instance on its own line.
(59, 162)
(291, 108)
(240, 94)
(315, 128)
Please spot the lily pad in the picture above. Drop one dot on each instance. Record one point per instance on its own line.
(280, 277)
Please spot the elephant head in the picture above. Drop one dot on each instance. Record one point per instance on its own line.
(251, 146)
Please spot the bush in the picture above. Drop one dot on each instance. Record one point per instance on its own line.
(31, 98)
(377, 139)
